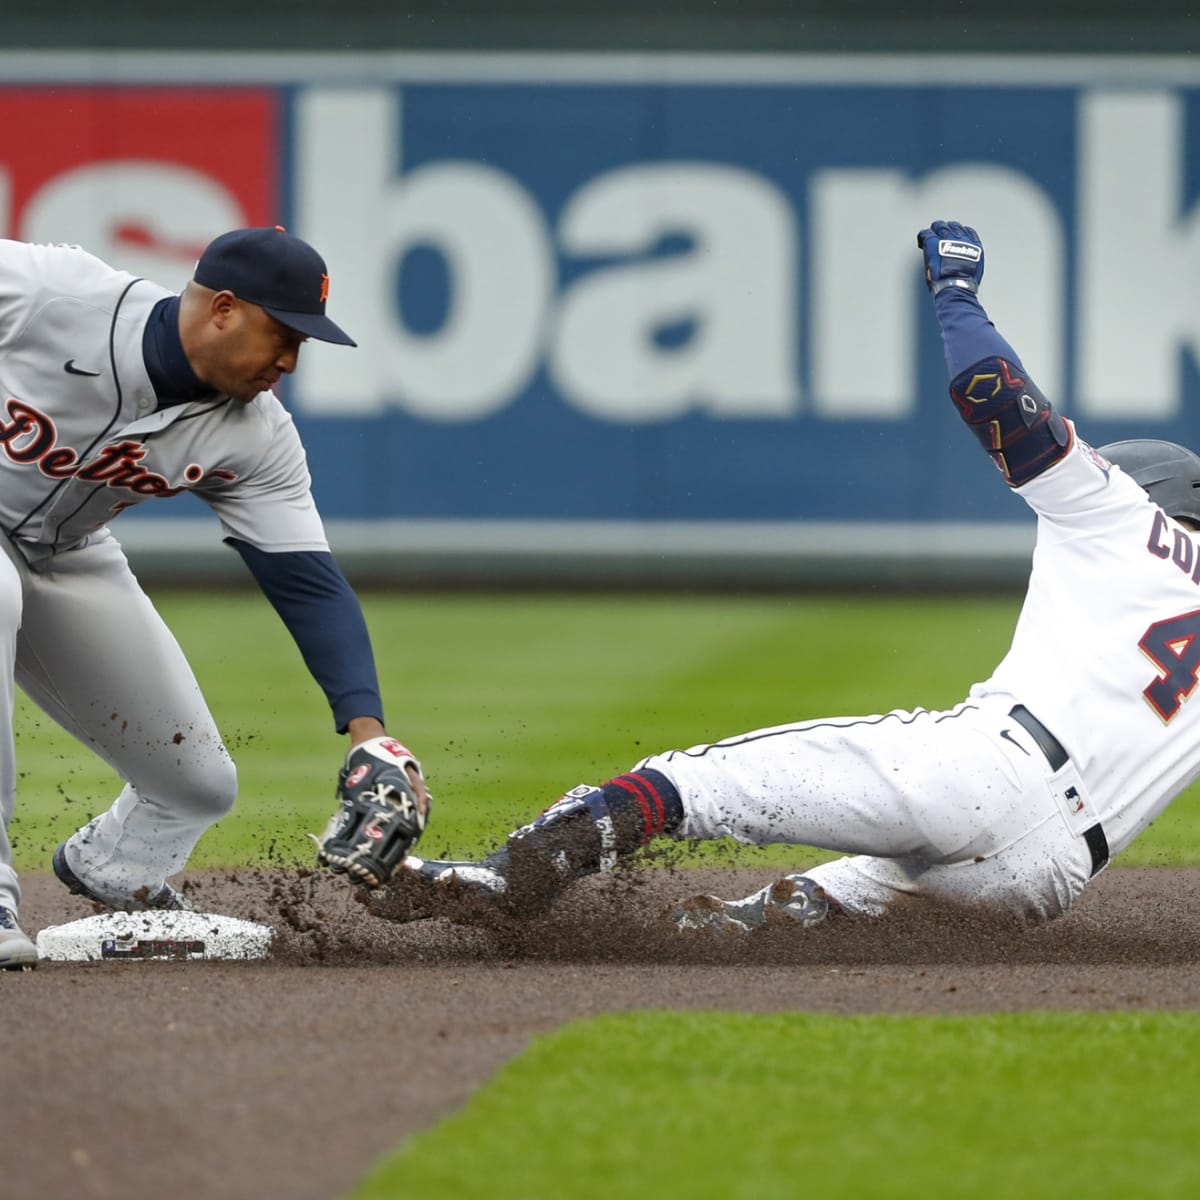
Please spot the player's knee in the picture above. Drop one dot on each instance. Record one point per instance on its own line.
(10, 598)
(212, 789)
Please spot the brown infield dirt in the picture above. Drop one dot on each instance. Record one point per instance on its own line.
(286, 1078)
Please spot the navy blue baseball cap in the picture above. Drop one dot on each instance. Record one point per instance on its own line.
(278, 272)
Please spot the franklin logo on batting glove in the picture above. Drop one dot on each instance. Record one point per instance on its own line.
(952, 249)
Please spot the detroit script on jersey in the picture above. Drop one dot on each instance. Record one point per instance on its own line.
(29, 437)
(82, 438)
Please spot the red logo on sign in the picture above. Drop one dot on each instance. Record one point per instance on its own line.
(147, 177)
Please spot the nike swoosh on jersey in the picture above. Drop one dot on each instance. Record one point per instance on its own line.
(71, 369)
(1004, 733)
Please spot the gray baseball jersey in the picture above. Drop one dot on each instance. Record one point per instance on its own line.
(80, 437)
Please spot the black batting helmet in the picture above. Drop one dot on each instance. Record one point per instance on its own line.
(1169, 473)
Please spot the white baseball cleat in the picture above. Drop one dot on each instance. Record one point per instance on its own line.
(438, 887)
(17, 952)
(478, 877)
(794, 899)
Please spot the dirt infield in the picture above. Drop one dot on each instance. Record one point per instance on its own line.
(239, 1080)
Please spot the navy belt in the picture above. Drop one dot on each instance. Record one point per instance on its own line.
(1058, 758)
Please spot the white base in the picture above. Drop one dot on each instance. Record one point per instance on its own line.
(137, 937)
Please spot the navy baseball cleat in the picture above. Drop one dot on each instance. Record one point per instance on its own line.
(17, 952)
(165, 898)
(794, 899)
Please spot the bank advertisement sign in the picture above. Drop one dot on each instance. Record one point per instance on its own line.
(652, 291)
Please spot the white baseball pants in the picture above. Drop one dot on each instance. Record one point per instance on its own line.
(936, 804)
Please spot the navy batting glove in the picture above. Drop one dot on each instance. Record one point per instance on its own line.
(953, 256)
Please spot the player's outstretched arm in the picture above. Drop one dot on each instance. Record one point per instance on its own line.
(993, 392)
(383, 803)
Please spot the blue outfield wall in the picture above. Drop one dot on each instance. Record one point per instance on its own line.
(653, 290)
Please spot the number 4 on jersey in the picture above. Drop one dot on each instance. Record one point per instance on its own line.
(1173, 646)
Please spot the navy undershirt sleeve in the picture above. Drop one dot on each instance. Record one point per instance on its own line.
(322, 613)
(967, 335)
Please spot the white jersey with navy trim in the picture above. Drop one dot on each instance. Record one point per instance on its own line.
(971, 805)
(1084, 733)
(1107, 648)
(80, 437)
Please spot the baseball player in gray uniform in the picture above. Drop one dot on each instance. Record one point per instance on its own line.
(114, 391)
(1013, 799)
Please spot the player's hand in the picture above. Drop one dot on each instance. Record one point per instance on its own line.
(382, 812)
(369, 729)
(953, 256)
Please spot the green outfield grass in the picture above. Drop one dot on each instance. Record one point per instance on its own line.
(510, 700)
(710, 1106)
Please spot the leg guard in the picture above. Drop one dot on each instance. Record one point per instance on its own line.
(584, 832)
(587, 831)
(1012, 419)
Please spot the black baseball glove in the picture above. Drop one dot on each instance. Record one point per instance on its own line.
(379, 817)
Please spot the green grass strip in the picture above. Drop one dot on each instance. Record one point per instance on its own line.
(650, 1106)
(510, 700)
